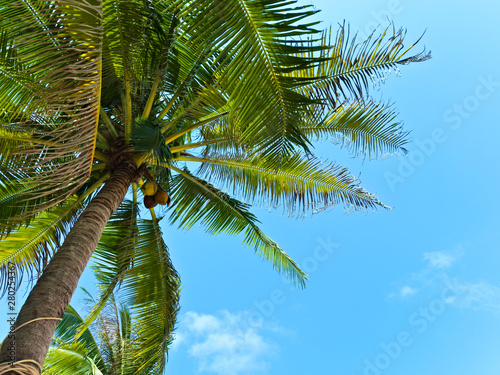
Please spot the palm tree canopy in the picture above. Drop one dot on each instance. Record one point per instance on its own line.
(217, 103)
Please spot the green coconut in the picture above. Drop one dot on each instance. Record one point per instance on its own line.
(149, 188)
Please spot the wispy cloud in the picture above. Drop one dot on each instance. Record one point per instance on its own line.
(439, 259)
(480, 295)
(435, 275)
(225, 344)
(406, 291)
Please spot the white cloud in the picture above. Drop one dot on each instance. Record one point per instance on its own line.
(479, 295)
(201, 323)
(406, 291)
(438, 259)
(226, 344)
(476, 295)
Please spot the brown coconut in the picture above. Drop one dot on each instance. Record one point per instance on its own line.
(161, 197)
(149, 201)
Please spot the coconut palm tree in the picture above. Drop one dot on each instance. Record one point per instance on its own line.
(189, 100)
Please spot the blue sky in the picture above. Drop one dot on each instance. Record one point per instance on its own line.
(414, 290)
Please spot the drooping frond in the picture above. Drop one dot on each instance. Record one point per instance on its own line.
(50, 78)
(113, 257)
(299, 185)
(349, 67)
(28, 246)
(256, 45)
(70, 359)
(151, 291)
(197, 201)
(116, 344)
(65, 337)
(13, 202)
(28, 249)
(365, 128)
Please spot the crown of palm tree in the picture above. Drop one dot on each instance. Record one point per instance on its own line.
(216, 103)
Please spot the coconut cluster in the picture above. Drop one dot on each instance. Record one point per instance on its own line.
(154, 195)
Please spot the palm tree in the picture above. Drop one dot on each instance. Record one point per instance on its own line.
(190, 98)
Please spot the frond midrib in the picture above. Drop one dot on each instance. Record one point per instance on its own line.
(269, 64)
(364, 132)
(38, 235)
(349, 72)
(195, 180)
(280, 173)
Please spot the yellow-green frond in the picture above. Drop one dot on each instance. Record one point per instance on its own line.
(29, 248)
(197, 201)
(69, 359)
(365, 128)
(50, 79)
(350, 66)
(150, 289)
(300, 185)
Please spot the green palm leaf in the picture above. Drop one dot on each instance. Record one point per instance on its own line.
(70, 359)
(199, 202)
(365, 128)
(254, 43)
(50, 68)
(65, 336)
(29, 248)
(349, 68)
(13, 203)
(299, 185)
(151, 290)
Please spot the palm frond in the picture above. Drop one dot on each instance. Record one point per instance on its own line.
(350, 67)
(65, 335)
(300, 185)
(50, 69)
(28, 244)
(199, 202)
(29, 248)
(182, 83)
(69, 359)
(254, 40)
(365, 128)
(124, 22)
(151, 291)
(13, 202)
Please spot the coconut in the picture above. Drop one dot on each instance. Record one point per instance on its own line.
(149, 188)
(161, 197)
(149, 201)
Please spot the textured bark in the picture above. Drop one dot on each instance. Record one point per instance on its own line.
(53, 291)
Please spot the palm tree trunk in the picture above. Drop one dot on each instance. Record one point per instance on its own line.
(53, 291)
